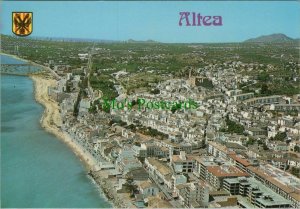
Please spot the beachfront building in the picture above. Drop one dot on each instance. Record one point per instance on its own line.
(160, 172)
(256, 193)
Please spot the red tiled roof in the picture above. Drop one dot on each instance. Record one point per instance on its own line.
(228, 171)
(244, 162)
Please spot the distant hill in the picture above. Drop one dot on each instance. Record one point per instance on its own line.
(273, 38)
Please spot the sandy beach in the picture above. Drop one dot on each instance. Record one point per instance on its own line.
(51, 119)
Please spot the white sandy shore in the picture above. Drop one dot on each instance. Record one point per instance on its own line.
(51, 122)
(51, 119)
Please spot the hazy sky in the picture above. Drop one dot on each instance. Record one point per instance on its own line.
(156, 20)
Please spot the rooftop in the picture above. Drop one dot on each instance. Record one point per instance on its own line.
(281, 179)
(160, 166)
(225, 171)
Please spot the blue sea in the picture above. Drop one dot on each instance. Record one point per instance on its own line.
(37, 169)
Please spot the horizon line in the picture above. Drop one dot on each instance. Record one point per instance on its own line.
(130, 40)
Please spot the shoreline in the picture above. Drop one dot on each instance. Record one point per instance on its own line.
(51, 109)
(14, 57)
(51, 122)
(44, 68)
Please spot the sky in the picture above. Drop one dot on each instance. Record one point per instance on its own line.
(157, 20)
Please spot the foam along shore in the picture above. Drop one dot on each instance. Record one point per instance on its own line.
(51, 120)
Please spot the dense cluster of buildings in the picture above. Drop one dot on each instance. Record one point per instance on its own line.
(193, 157)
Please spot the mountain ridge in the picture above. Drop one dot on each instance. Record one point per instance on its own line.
(272, 38)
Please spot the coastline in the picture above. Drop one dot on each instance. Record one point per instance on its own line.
(45, 68)
(15, 57)
(51, 122)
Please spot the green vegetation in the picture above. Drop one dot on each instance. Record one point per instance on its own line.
(147, 131)
(140, 80)
(265, 147)
(130, 186)
(264, 76)
(104, 83)
(295, 171)
(280, 136)
(206, 83)
(42, 51)
(250, 141)
(152, 132)
(233, 127)
(76, 105)
(274, 66)
(176, 107)
(118, 122)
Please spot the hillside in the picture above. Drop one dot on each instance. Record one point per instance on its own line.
(273, 38)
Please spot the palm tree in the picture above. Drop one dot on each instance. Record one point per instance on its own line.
(130, 186)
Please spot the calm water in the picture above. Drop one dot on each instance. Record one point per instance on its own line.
(37, 169)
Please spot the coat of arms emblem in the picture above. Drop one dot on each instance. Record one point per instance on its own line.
(22, 23)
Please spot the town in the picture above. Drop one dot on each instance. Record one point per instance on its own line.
(239, 148)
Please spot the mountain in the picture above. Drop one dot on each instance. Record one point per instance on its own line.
(273, 38)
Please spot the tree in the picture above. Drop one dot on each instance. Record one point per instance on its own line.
(280, 136)
(297, 148)
(137, 144)
(130, 186)
(203, 144)
(296, 171)
(250, 141)
(155, 91)
(265, 89)
(263, 77)
(265, 147)
(234, 127)
(76, 105)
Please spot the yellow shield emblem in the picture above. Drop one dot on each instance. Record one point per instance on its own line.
(22, 23)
